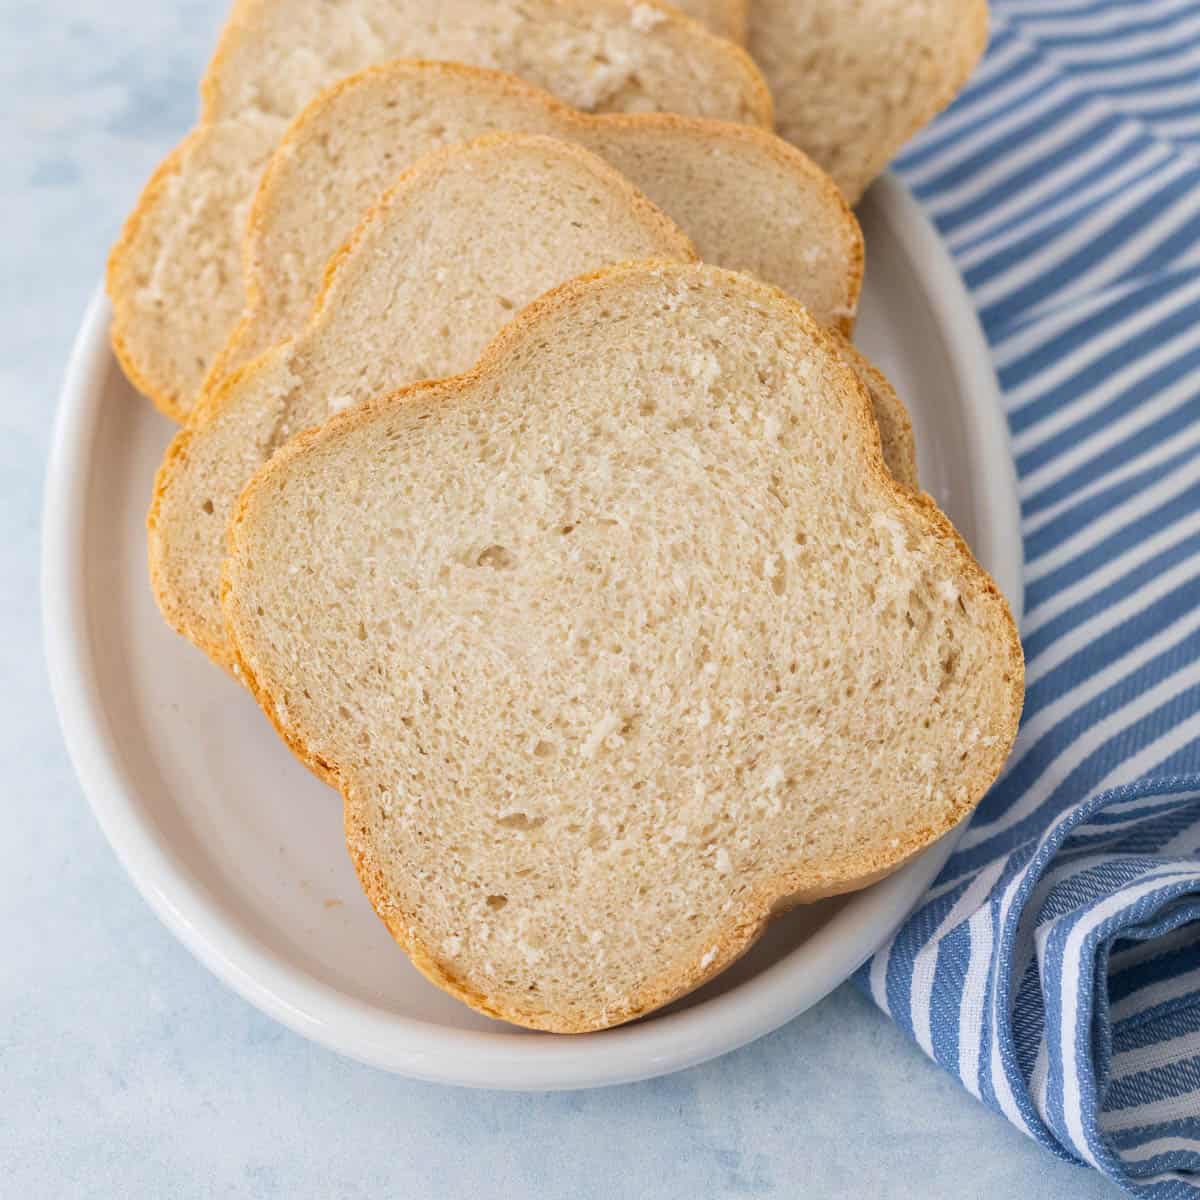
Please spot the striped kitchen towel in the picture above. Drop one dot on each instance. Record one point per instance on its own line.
(1055, 965)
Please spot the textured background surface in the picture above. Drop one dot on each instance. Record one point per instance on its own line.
(125, 1069)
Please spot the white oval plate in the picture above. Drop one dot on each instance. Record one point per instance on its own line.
(239, 849)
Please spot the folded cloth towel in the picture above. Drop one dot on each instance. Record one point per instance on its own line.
(1055, 964)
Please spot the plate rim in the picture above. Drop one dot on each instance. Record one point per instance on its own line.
(410, 1046)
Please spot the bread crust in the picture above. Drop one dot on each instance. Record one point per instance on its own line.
(891, 415)
(125, 330)
(576, 126)
(173, 607)
(802, 885)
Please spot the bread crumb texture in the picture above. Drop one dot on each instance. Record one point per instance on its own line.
(620, 643)
(746, 199)
(180, 245)
(853, 80)
(466, 239)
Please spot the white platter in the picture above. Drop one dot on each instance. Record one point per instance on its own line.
(200, 801)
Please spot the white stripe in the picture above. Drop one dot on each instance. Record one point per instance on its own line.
(1072, 968)
(1179, 214)
(1164, 1145)
(1128, 806)
(1152, 948)
(1095, 582)
(1152, 1058)
(1169, 350)
(1154, 995)
(1039, 1080)
(1007, 166)
(1070, 756)
(1185, 843)
(1181, 480)
(1090, 54)
(997, 221)
(970, 1011)
(1167, 1177)
(1148, 459)
(1159, 750)
(1178, 127)
(1053, 19)
(925, 960)
(1040, 217)
(1089, 231)
(1000, 1083)
(1055, 93)
(1173, 1108)
(1118, 82)
(1080, 313)
(1152, 97)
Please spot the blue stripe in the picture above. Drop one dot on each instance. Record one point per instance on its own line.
(1088, 190)
(1068, 331)
(1095, 323)
(1100, 504)
(1127, 225)
(1088, 773)
(1108, 462)
(1024, 176)
(1156, 521)
(980, 158)
(1120, 589)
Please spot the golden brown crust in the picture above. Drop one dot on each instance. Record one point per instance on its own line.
(809, 883)
(784, 154)
(174, 609)
(240, 22)
(130, 231)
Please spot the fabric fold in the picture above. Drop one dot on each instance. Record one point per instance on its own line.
(1054, 966)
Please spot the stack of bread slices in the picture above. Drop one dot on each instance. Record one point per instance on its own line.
(529, 480)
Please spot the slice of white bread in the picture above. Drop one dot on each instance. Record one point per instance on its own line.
(178, 252)
(619, 644)
(747, 199)
(409, 298)
(853, 80)
(466, 238)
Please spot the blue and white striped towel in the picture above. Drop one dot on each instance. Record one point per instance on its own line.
(1055, 965)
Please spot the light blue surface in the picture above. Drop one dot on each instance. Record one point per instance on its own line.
(125, 1069)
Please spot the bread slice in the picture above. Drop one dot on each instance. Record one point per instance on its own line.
(619, 644)
(365, 336)
(466, 238)
(747, 199)
(178, 253)
(853, 80)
